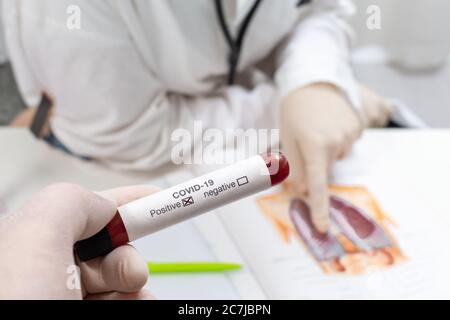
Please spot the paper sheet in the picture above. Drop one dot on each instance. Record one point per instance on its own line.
(407, 173)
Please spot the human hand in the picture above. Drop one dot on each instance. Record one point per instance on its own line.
(318, 126)
(376, 111)
(36, 247)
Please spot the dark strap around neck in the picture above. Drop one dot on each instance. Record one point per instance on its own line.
(235, 44)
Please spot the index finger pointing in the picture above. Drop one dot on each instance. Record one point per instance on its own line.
(316, 166)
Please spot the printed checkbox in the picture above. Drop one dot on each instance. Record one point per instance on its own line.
(242, 181)
(187, 201)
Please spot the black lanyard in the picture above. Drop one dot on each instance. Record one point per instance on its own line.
(235, 44)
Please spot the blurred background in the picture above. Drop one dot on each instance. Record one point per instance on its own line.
(407, 58)
(11, 104)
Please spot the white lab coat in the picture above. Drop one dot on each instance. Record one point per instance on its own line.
(2, 45)
(137, 69)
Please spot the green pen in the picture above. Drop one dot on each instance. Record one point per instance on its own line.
(190, 267)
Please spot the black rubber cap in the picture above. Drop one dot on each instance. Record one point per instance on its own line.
(96, 246)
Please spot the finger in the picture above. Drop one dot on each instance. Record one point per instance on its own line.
(94, 278)
(123, 270)
(297, 167)
(78, 209)
(342, 150)
(380, 112)
(384, 115)
(119, 196)
(390, 108)
(355, 130)
(317, 169)
(346, 150)
(141, 295)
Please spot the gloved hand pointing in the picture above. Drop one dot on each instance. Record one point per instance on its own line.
(318, 126)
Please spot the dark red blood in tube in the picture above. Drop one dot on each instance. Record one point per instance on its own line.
(117, 232)
(277, 165)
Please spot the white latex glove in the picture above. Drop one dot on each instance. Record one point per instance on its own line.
(36, 247)
(376, 111)
(319, 126)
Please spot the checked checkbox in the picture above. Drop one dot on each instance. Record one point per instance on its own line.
(187, 201)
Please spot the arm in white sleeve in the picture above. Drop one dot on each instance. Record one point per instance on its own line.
(146, 141)
(318, 50)
(109, 105)
(115, 110)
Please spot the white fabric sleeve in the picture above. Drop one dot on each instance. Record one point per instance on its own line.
(114, 109)
(318, 50)
(145, 141)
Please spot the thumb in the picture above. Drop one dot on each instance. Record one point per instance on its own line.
(316, 166)
(77, 212)
(81, 213)
(118, 197)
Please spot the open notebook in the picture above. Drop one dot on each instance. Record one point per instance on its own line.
(398, 180)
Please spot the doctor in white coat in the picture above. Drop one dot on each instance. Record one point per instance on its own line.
(136, 70)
